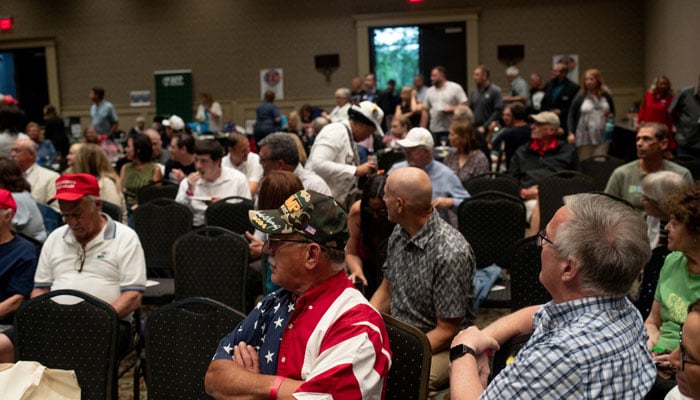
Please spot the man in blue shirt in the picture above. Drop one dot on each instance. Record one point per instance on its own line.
(589, 341)
(448, 192)
(103, 116)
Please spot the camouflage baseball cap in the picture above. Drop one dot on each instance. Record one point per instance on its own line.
(309, 213)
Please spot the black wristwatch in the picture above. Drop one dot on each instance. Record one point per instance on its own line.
(460, 350)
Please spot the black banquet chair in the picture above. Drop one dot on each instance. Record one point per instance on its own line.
(212, 262)
(230, 213)
(180, 340)
(600, 168)
(493, 181)
(410, 364)
(113, 210)
(80, 337)
(525, 287)
(553, 188)
(159, 223)
(158, 190)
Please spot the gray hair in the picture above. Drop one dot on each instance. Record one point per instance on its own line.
(606, 239)
(28, 145)
(657, 186)
(343, 92)
(319, 123)
(512, 71)
(282, 147)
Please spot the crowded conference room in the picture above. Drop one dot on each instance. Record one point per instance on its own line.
(400, 199)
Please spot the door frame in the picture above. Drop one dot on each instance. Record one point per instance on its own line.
(49, 46)
(470, 17)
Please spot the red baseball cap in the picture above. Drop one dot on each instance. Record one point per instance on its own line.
(7, 201)
(72, 187)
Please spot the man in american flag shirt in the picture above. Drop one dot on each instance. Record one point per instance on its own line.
(317, 337)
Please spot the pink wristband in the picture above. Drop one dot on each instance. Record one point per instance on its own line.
(276, 387)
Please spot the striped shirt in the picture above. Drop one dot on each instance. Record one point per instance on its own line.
(590, 348)
(333, 340)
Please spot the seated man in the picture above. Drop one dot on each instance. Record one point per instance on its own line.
(41, 179)
(547, 153)
(211, 182)
(17, 265)
(181, 162)
(91, 253)
(241, 158)
(428, 270)
(589, 342)
(448, 192)
(317, 337)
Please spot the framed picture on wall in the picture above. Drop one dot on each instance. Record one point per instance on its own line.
(272, 79)
(571, 61)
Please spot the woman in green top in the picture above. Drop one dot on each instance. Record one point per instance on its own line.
(679, 280)
(140, 171)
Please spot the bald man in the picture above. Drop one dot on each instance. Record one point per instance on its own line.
(42, 180)
(160, 155)
(428, 270)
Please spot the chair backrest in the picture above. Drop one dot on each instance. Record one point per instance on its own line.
(80, 337)
(230, 213)
(159, 223)
(410, 364)
(158, 190)
(52, 218)
(553, 188)
(181, 339)
(113, 210)
(212, 262)
(600, 168)
(492, 222)
(525, 287)
(493, 181)
(385, 159)
(690, 162)
(650, 278)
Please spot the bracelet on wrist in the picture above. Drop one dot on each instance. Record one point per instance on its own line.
(275, 388)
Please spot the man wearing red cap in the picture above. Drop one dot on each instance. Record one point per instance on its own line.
(92, 253)
(17, 265)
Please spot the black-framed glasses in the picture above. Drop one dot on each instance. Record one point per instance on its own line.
(80, 261)
(271, 245)
(542, 237)
(684, 354)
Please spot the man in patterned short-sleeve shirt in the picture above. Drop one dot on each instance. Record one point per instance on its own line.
(428, 270)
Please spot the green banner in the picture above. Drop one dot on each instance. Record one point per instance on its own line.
(174, 93)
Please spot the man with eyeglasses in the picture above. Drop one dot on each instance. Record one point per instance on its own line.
(589, 341)
(686, 358)
(317, 336)
(92, 253)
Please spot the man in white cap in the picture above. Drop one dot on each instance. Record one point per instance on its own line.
(334, 154)
(448, 191)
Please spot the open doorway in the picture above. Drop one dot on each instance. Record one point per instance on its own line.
(23, 75)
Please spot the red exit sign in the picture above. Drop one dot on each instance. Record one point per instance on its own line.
(5, 23)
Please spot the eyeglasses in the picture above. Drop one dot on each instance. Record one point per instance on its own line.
(684, 354)
(542, 236)
(271, 245)
(80, 261)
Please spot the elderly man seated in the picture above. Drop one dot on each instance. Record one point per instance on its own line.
(589, 342)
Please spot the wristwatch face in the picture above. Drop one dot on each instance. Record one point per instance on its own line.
(460, 350)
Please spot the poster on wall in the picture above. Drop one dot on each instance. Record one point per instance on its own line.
(174, 93)
(140, 98)
(272, 79)
(571, 61)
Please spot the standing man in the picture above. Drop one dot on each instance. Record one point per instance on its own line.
(369, 88)
(486, 102)
(211, 182)
(440, 102)
(420, 88)
(685, 109)
(334, 155)
(428, 270)
(534, 102)
(316, 337)
(559, 93)
(241, 158)
(103, 116)
(589, 342)
(626, 180)
(519, 90)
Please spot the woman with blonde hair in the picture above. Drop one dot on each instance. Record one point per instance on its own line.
(90, 159)
(74, 149)
(588, 116)
(409, 106)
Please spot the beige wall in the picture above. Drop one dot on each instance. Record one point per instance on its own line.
(118, 44)
(673, 41)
